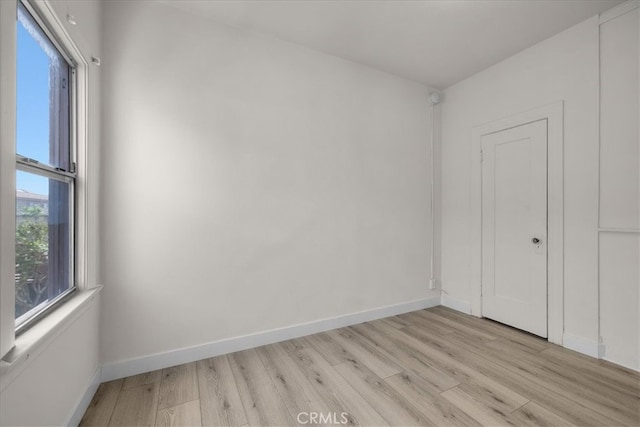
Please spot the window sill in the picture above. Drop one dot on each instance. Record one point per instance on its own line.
(35, 340)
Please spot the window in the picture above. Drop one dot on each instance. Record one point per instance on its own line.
(45, 171)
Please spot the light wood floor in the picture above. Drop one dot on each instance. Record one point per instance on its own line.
(429, 367)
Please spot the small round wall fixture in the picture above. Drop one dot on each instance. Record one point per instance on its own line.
(434, 98)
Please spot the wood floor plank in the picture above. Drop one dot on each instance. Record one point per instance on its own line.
(535, 344)
(136, 406)
(365, 353)
(428, 401)
(534, 415)
(295, 344)
(292, 385)
(480, 386)
(616, 406)
(406, 318)
(219, 397)
(336, 391)
(590, 366)
(456, 325)
(521, 382)
(388, 403)
(331, 350)
(438, 359)
(101, 407)
(260, 399)
(142, 379)
(568, 377)
(415, 319)
(506, 345)
(179, 384)
(396, 322)
(406, 357)
(554, 399)
(477, 410)
(610, 366)
(429, 367)
(184, 415)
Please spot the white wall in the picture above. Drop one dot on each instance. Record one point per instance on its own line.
(250, 184)
(564, 67)
(53, 382)
(47, 387)
(619, 258)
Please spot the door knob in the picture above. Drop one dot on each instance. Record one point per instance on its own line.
(535, 240)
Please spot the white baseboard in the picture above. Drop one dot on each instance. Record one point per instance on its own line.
(126, 368)
(84, 400)
(624, 365)
(456, 304)
(582, 345)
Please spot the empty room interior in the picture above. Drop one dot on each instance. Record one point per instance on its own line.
(323, 212)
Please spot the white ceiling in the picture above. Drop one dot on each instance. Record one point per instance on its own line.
(438, 43)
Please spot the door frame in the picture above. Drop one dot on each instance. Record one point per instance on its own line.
(554, 114)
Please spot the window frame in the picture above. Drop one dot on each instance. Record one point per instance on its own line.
(84, 126)
(32, 166)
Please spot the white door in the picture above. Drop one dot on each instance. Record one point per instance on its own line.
(514, 227)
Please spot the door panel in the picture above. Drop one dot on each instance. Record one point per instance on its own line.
(514, 227)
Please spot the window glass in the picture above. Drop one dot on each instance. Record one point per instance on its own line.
(44, 179)
(43, 239)
(42, 96)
